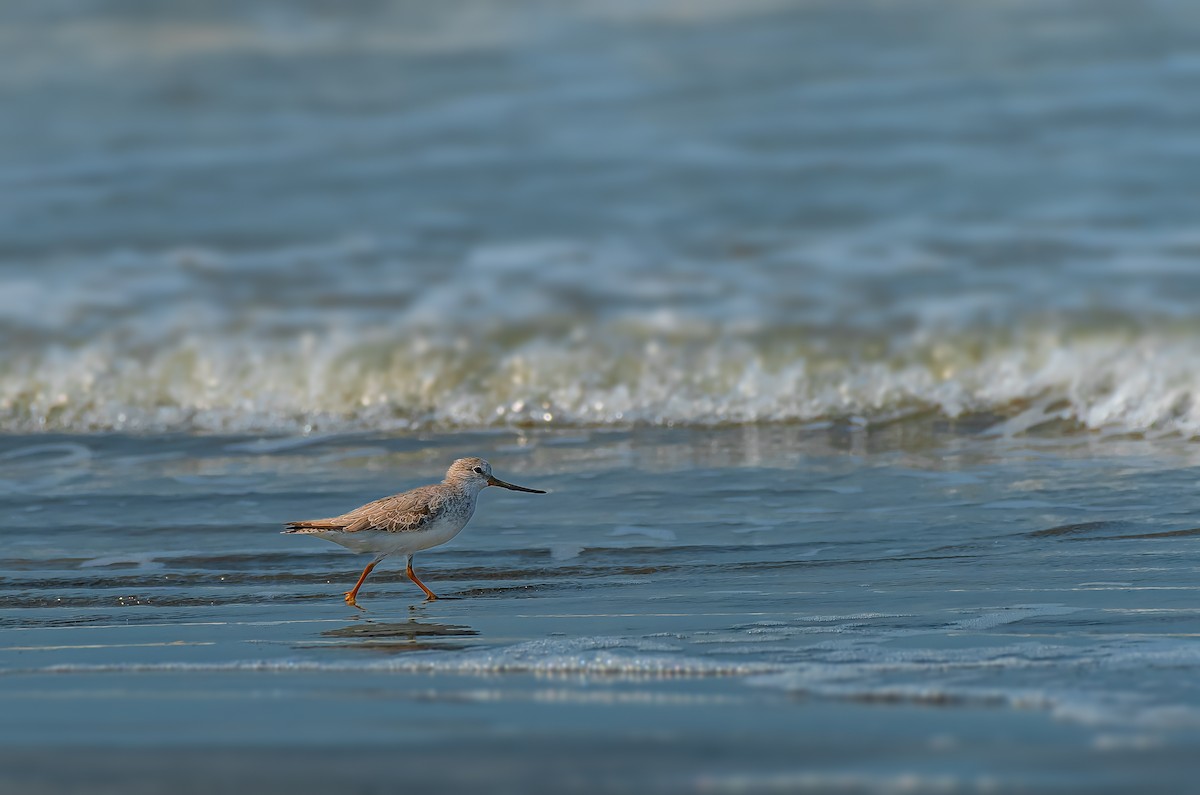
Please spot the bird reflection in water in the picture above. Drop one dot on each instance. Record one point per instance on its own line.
(403, 636)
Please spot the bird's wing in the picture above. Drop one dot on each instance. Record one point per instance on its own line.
(400, 513)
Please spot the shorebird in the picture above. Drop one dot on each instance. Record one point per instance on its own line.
(409, 522)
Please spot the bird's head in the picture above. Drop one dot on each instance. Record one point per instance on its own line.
(476, 474)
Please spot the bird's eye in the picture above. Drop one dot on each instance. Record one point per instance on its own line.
(478, 470)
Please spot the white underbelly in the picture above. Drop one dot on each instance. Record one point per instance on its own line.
(438, 533)
(384, 543)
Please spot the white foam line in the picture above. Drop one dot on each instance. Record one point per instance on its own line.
(1150, 610)
(1152, 635)
(1089, 589)
(598, 656)
(110, 645)
(636, 615)
(841, 782)
(597, 665)
(183, 624)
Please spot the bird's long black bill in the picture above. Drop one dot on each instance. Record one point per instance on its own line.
(503, 485)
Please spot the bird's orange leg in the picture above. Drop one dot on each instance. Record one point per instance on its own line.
(352, 593)
(412, 575)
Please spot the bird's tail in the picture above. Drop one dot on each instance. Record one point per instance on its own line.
(314, 525)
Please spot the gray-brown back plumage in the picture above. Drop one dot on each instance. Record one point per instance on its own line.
(400, 513)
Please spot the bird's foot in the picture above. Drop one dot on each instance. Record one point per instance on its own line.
(350, 600)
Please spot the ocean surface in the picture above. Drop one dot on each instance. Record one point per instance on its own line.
(857, 343)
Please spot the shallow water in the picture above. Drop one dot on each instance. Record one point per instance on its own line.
(857, 344)
(827, 607)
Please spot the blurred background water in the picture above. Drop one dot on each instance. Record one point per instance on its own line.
(271, 217)
(857, 340)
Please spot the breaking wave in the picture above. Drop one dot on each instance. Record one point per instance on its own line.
(614, 375)
(575, 334)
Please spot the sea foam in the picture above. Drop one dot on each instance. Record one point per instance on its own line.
(617, 374)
